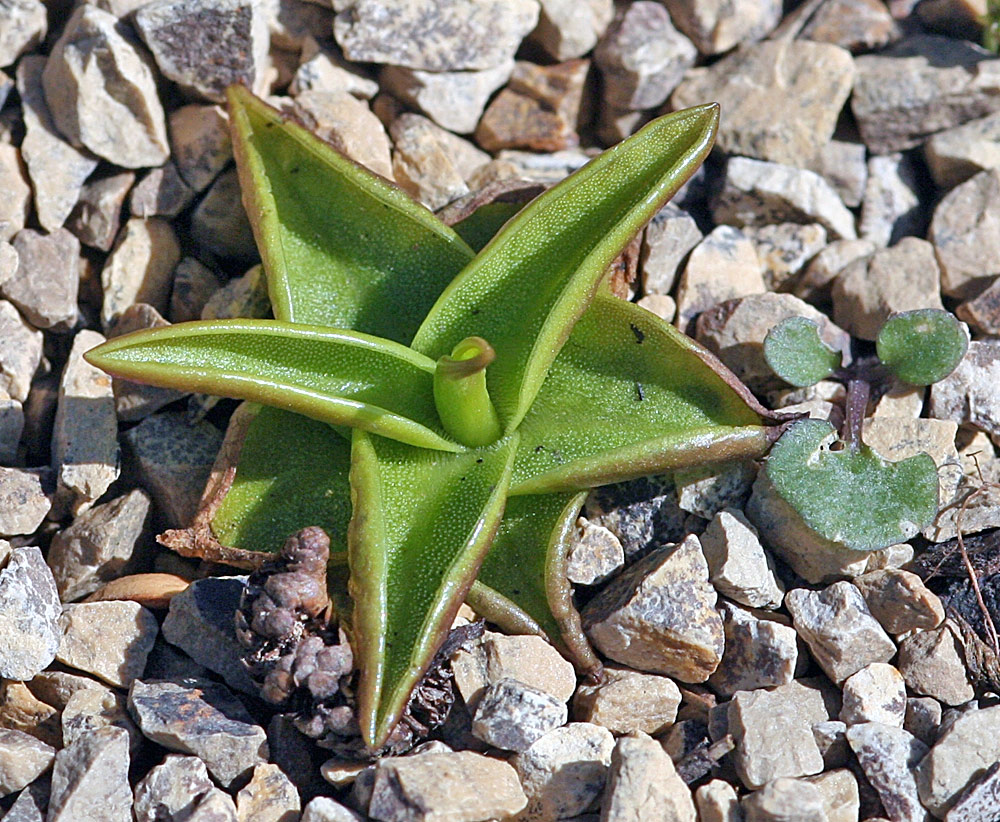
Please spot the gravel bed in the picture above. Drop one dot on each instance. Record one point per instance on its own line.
(856, 174)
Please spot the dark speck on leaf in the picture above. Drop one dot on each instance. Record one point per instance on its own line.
(539, 449)
(294, 170)
(479, 460)
(639, 335)
(640, 394)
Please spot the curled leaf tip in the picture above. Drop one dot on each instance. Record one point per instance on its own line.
(469, 357)
(460, 394)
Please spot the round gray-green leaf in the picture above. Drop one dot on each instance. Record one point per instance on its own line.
(852, 498)
(796, 353)
(923, 346)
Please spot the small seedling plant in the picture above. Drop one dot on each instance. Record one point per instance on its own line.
(440, 412)
(843, 491)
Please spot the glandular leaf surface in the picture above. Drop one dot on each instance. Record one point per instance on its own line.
(797, 354)
(923, 346)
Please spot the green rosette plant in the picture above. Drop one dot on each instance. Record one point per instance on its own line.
(440, 412)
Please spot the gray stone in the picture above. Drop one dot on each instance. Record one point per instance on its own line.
(8, 259)
(567, 29)
(922, 85)
(11, 428)
(17, 200)
(530, 660)
(101, 91)
(512, 715)
(549, 167)
(171, 789)
(174, 460)
(757, 192)
(200, 622)
(47, 280)
(422, 164)
(784, 249)
(57, 168)
(295, 26)
(666, 243)
(29, 615)
(956, 154)
(772, 731)
(139, 268)
(99, 545)
(206, 47)
(659, 615)
(200, 143)
(324, 809)
(786, 800)
(788, 127)
(735, 331)
(31, 803)
(900, 601)
(923, 718)
(56, 688)
(831, 738)
(323, 69)
(453, 99)
(958, 758)
(161, 193)
(91, 708)
(932, 663)
(844, 166)
(643, 785)
(839, 629)
(90, 779)
(738, 566)
(717, 27)
(627, 701)
(347, 123)
(595, 554)
(219, 222)
(194, 285)
(96, 217)
(856, 25)
(876, 693)
(962, 240)
(85, 451)
(980, 801)
(565, 771)
(23, 24)
(135, 401)
(641, 513)
(888, 755)
(23, 758)
(705, 490)
(891, 209)
(983, 311)
(23, 503)
(760, 652)
(818, 277)
(970, 395)
(437, 787)
(642, 57)
(902, 278)
(20, 352)
(421, 34)
(270, 796)
(214, 806)
(723, 266)
(203, 719)
(841, 798)
(108, 639)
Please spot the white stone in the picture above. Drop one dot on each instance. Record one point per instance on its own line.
(738, 566)
(348, 123)
(643, 785)
(627, 700)
(23, 24)
(567, 29)
(970, 395)
(139, 268)
(717, 27)
(20, 352)
(891, 209)
(876, 693)
(16, 200)
(958, 757)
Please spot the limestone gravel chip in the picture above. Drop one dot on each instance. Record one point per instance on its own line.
(876, 693)
(47, 279)
(108, 639)
(29, 615)
(627, 701)
(888, 756)
(90, 779)
(23, 758)
(171, 788)
(933, 664)
(511, 715)
(269, 796)
(23, 502)
(17, 200)
(643, 785)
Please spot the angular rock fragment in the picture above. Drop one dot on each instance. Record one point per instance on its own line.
(422, 163)
(434, 36)
(891, 209)
(347, 123)
(96, 217)
(29, 615)
(888, 756)
(204, 47)
(627, 701)
(439, 786)
(567, 29)
(512, 715)
(760, 193)
(760, 652)
(839, 629)
(23, 24)
(194, 285)
(90, 779)
(970, 395)
(642, 57)
(269, 796)
(23, 502)
(644, 785)
(738, 566)
(200, 143)
(844, 166)
(91, 708)
(790, 127)
(980, 800)
(666, 242)
(101, 91)
(958, 758)
(856, 25)
(16, 203)
(11, 428)
(956, 154)
(933, 664)
(161, 193)
(596, 553)
(322, 68)
(715, 28)
(20, 352)
(983, 311)
(173, 787)
(47, 279)
(876, 693)
(85, 451)
(778, 797)
(900, 601)
(784, 249)
(817, 280)
(659, 615)
(23, 758)
(108, 639)
(203, 719)
(219, 222)
(56, 167)
(139, 268)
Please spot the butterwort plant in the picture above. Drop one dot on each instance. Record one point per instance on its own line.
(441, 413)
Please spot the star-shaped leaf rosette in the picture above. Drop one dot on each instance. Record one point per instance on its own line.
(439, 412)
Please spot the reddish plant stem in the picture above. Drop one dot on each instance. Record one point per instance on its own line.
(858, 391)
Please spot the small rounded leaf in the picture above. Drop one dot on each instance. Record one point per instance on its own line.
(796, 353)
(852, 498)
(921, 347)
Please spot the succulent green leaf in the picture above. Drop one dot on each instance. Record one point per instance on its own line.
(923, 346)
(340, 377)
(342, 247)
(292, 473)
(423, 521)
(524, 291)
(797, 354)
(828, 488)
(629, 395)
(481, 226)
(523, 583)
